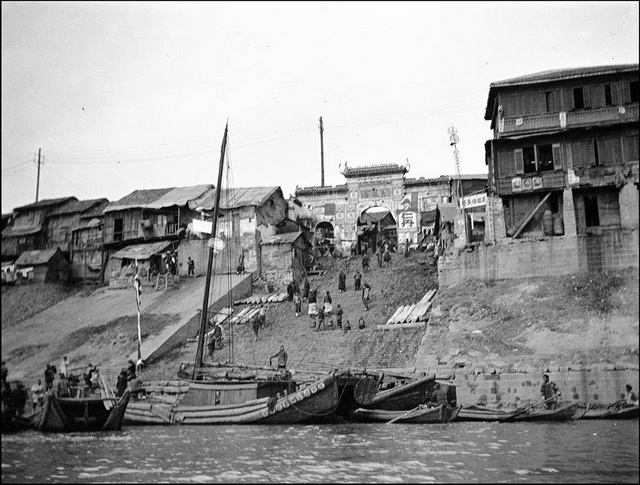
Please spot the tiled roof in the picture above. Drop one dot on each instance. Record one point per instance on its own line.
(554, 75)
(44, 203)
(385, 168)
(331, 189)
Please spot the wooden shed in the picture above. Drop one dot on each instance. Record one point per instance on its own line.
(283, 256)
(48, 265)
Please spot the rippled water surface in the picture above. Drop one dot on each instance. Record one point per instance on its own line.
(581, 451)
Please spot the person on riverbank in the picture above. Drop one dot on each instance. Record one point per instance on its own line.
(342, 282)
(630, 398)
(313, 311)
(313, 295)
(297, 303)
(64, 388)
(49, 377)
(290, 291)
(328, 308)
(365, 263)
(37, 395)
(366, 297)
(361, 323)
(19, 399)
(255, 326)
(5, 372)
(121, 382)
(282, 357)
(320, 318)
(64, 366)
(191, 268)
(549, 392)
(339, 313)
(357, 280)
(305, 289)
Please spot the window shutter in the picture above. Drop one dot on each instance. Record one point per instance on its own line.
(617, 94)
(587, 97)
(557, 156)
(625, 92)
(518, 160)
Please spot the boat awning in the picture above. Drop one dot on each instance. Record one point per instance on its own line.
(142, 251)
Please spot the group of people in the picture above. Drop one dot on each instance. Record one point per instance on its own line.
(550, 394)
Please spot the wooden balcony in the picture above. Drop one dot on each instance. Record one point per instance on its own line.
(531, 182)
(536, 124)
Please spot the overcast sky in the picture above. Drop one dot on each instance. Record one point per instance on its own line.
(135, 95)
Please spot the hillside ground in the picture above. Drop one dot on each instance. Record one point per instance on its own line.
(589, 319)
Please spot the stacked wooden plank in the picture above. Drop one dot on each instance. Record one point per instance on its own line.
(413, 313)
(246, 316)
(258, 299)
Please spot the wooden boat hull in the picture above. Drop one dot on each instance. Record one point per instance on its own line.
(404, 397)
(82, 414)
(477, 413)
(309, 404)
(421, 415)
(630, 412)
(563, 413)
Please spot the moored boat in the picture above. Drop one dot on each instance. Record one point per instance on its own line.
(563, 413)
(483, 413)
(422, 414)
(626, 412)
(63, 414)
(403, 397)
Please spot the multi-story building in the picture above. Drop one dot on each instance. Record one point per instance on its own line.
(564, 153)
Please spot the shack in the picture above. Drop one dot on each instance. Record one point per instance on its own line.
(283, 257)
(48, 265)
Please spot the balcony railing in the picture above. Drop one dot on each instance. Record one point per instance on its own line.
(571, 119)
(531, 182)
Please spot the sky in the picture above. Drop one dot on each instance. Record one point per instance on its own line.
(120, 96)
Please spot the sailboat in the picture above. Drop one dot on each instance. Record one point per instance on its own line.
(230, 396)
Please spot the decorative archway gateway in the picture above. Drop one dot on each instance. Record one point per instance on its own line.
(375, 225)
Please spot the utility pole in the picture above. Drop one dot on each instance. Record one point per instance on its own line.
(321, 155)
(38, 181)
(454, 139)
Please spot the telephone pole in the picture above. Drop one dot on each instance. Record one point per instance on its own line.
(38, 181)
(454, 139)
(321, 155)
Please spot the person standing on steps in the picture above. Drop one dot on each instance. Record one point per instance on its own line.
(365, 263)
(191, 267)
(339, 313)
(366, 298)
(549, 392)
(357, 279)
(305, 290)
(255, 325)
(342, 282)
(328, 308)
(297, 303)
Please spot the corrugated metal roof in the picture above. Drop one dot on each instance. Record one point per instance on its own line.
(236, 197)
(158, 198)
(75, 206)
(13, 231)
(36, 257)
(286, 238)
(142, 251)
(554, 75)
(449, 212)
(44, 203)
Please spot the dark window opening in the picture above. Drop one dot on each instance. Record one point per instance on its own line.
(553, 203)
(118, 226)
(592, 219)
(633, 88)
(608, 99)
(545, 157)
(529, 158)
(551, 102)
(578, 98)
(595, 151)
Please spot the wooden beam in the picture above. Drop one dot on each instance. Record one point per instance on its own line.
(530, 216)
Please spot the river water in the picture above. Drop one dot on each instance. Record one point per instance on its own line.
(581, 451)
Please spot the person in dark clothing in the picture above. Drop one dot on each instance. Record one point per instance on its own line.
(296, 287)
(365, 263)
(7, 395)
(240, 269)
(255, 326)
(387, 258)
(5, 372)
(379, 257)
(312, 295)
(366, 298)
(290, 291)
(297, 302)
(49, 376)
(19, 399)
(339, 313)
(282, 358)
(439, 395)
(305, 289)
(191, 267)
(342, 281)
(131, 370)
(357, 279)
(121, 382)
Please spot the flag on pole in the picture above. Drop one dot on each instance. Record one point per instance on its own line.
(137, 284)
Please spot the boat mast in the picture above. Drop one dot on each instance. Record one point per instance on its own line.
(205, 304)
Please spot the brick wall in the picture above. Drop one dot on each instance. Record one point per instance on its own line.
(560, 255)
